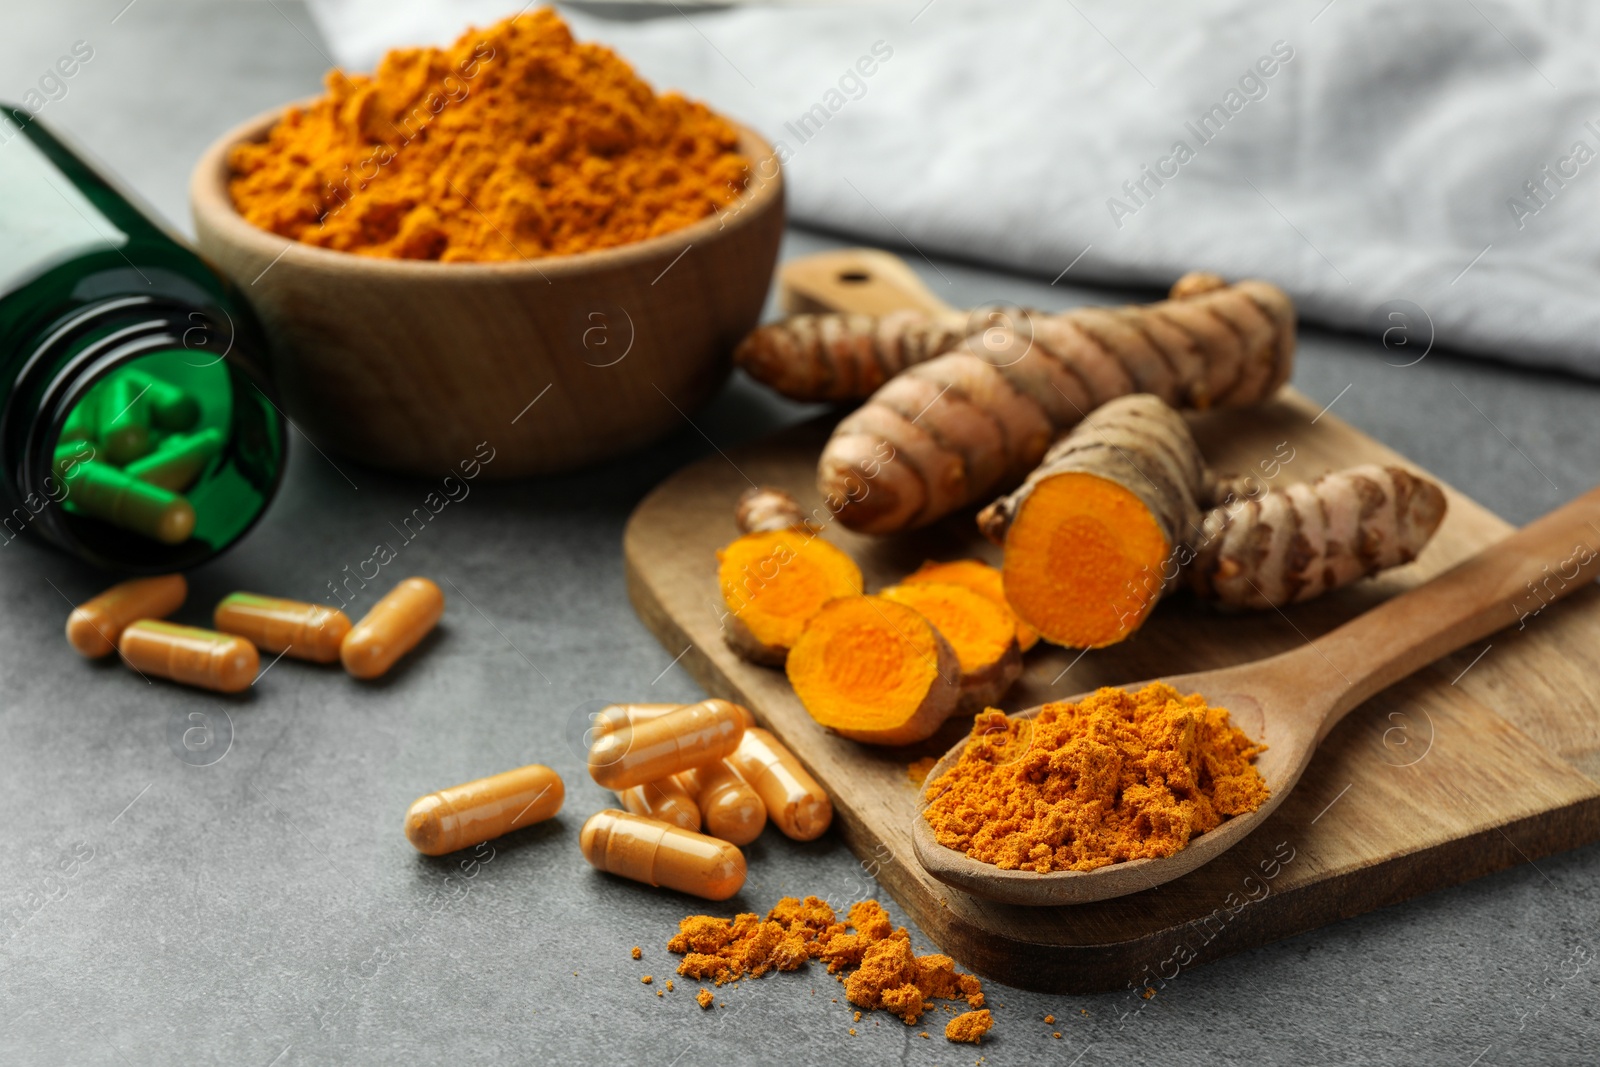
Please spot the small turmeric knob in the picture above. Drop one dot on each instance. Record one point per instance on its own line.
(1195, 283)
(764, 509)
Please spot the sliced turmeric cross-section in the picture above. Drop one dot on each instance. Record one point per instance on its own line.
(978, 576)
(773, 582)
(875, 671)
(982, 633)
(1083, 560)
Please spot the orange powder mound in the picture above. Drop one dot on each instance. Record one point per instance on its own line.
(868, 953)
(969, 1026)
(1117, 777)
(516, 142)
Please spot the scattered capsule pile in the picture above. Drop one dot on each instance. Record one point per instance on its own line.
(129, 618)
(130, 449)
(677, 770)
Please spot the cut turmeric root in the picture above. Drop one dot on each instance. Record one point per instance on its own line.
(1110, 521)
(1091, 537)
(875, 671)
(775, 578)
(978, 576)
(1284, 546)
(972, 421)
(982, 633)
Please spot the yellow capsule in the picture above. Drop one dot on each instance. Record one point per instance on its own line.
(101, 491)
(480, 811)
(615, 716)
(394, 626)
(179, 460)
(730, 808)
(94, 626)
(666, 800)
(657, 747)
(188, 654)
(305, 631)
(657, 854)
(796, 804)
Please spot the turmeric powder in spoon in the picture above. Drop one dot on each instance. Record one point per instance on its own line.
(1117, 776)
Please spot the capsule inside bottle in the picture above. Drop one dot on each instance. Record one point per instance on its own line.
(729, 808)
(177, 461)
(655, 853)
(95, 625)
(661, 746)
(188, 654)
(795, 802)
(123, 419)
(172, 407)
(667, 801)
(305, 631)
(481, 810)
(102, 491)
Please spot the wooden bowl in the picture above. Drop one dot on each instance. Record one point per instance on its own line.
(411, 365)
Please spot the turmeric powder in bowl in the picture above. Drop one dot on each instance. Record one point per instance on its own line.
(516, 142)
(1118, 776)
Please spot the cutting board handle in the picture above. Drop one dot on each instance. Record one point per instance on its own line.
(863, 280)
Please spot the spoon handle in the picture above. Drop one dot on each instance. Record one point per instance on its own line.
(1508, 583)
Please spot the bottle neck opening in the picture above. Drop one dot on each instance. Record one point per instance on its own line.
(140, 437)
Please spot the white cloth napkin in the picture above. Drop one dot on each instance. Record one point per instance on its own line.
(1424, 170)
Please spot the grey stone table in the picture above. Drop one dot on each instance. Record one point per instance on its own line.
(265, 909)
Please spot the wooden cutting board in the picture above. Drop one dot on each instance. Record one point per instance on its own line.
(1488, 759)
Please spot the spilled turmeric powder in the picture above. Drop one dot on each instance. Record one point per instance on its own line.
(867, 953)
(969, 1026)
(918, 769)
(515, 142)
(1119, 776)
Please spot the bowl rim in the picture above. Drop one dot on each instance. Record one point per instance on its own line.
(213, 208)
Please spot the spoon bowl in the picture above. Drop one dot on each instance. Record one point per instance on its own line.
(1291, 701)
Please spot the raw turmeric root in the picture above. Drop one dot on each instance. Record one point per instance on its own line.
(776, 576)
(1284, 546)
(974, 420)
(1091, 537)
(875, 671)
(982, 633)
(978, 576)
(843, 357)
(763, 509)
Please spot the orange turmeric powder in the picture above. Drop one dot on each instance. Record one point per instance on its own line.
(867, 953)
(514, 143)
(1118, 776)
(970, 1026)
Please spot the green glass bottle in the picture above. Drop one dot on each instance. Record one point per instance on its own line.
(136, 428)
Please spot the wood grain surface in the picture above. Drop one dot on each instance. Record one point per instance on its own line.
(1487, 759)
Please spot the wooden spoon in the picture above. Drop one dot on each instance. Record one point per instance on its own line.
(1292, 700)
